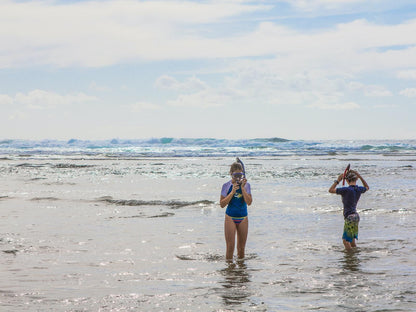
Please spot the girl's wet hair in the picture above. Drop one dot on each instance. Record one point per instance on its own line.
(235, 167)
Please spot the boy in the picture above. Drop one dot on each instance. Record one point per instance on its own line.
(350, 196)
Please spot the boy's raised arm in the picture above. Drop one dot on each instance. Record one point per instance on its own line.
(333, 188)
(365, 184)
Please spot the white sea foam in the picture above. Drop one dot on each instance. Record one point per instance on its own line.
(171, 147)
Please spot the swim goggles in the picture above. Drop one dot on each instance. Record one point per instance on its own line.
(237, 175)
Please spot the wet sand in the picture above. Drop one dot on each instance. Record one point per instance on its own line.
(89, 234)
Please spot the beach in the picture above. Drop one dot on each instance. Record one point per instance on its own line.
(112, 230)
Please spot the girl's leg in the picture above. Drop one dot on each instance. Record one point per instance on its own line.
(353, 244)
(229, 231)
(242, 232)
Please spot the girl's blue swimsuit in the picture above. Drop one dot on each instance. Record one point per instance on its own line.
(237, 207)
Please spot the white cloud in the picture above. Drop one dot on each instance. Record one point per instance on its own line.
(249, 84)
(409, 92)
(377, 91)
(266, 83)
(335, 106)
(202, 99)
(91, 33)
(96, 87)
(170, 83)
(407, 74)
(312, 5)
(41, 99)
(369, 90)
(338, 7)
(167, 82)
(143, 106)
(193, 92)
(385, 106)
(5, 100)
(18, 115)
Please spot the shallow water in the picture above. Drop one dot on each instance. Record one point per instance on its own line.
(146, 234)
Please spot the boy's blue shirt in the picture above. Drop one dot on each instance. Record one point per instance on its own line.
(350, 196)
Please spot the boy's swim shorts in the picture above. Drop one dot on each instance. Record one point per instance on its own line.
(351, 227)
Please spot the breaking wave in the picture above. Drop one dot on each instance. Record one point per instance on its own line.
(203, 147)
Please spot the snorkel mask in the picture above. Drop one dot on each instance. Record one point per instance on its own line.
(238, 176)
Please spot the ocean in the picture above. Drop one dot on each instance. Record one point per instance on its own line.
(203, 147)
(135, 225)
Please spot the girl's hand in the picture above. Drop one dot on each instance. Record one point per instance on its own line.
(243, 182)
(341, 176)
(236, 186)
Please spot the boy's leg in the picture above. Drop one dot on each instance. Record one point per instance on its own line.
(354, 229)
(350, 231)
(347, 245)
(242, 232)
(229, 232)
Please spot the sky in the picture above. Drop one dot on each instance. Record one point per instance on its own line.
(234, 69)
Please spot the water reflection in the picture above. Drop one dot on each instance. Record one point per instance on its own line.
(351, 262)
(235, 290)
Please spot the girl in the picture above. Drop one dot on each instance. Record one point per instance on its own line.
(236, 195)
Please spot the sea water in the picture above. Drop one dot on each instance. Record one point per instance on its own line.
(136, 226)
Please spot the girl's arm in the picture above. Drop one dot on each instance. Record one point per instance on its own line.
(247, 197)
(225, 200)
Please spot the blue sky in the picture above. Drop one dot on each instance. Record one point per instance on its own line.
(299, 69)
